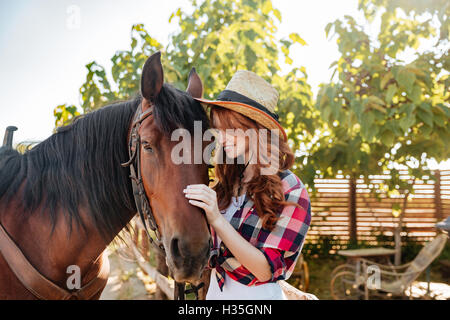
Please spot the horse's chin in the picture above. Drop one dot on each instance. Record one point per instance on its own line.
(191, 275)
(191, 279)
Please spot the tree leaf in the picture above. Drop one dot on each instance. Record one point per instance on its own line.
(406, 79)
(327, 28)
(407, 121)
(296, 38)
(277, 14)
(387, 138)
(388, 76)
(391, 90)
(416, 94)
(376, 100)
(426, 117)
(267, 7)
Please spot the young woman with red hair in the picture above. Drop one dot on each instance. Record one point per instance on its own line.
(259, 211)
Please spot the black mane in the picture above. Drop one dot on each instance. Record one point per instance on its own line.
(80, 164)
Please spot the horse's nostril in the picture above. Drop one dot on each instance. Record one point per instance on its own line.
(183, 255)
(174, 248)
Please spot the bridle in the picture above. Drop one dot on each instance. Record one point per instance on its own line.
(140, 197)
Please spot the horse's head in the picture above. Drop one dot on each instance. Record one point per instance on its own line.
(182, 226)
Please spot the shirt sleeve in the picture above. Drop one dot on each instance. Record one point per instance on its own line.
(282, 245)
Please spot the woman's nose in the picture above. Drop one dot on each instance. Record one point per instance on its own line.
(222, 138)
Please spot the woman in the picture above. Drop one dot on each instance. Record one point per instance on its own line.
(258, 210)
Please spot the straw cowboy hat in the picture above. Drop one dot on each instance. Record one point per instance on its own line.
(252, 96)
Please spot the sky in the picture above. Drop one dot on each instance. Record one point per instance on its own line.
(45, 45)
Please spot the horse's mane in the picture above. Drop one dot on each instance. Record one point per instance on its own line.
(79, 165)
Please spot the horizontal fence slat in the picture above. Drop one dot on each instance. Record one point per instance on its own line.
(330, 211)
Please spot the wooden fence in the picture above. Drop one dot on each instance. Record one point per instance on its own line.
(338, 215)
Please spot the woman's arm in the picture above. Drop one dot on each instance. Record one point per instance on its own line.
(249, 256)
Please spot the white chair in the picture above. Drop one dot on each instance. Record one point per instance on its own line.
(354, 282)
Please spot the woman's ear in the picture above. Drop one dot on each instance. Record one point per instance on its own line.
(152, 78)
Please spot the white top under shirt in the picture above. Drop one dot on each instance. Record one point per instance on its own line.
(234, 290)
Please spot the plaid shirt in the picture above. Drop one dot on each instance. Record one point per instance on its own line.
(281, 246)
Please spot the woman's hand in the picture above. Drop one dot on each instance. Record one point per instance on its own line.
(202, 196)
(253, 259)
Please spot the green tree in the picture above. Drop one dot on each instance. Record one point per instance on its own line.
(381, 110)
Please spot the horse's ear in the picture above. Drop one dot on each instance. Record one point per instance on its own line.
(195, 86)
(152, 78)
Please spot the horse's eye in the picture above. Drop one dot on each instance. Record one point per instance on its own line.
(147, 147)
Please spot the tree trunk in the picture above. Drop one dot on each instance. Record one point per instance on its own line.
(352, 211)
(437, 196)
(398, 230)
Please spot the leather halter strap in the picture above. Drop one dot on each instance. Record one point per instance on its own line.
(140, 197)
(41, 287)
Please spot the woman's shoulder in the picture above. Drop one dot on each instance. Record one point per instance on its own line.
(295, 191)
(290, 181)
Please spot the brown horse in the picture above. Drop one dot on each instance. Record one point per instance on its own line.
(63, 201)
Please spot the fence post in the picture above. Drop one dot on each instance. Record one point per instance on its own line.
(352, 210)
(437, 196)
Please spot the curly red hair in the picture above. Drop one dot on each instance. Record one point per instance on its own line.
(265, 190)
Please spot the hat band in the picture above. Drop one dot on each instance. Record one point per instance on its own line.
(233, 96)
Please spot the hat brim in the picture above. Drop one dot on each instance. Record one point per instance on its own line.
(247, 110)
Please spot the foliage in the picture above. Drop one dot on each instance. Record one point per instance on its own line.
(218, 38)
(64, 114)
(382, 110)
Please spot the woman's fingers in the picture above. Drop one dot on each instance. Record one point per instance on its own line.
(198, 204)
(199, 187)
(199, 196)
(194, 190)
(204, 197)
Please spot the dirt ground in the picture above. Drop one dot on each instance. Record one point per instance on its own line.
(126, 280)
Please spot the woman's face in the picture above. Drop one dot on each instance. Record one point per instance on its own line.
(232, 140)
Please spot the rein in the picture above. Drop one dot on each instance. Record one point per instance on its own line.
(142, 202)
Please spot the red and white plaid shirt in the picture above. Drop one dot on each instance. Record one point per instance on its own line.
(281, 246)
